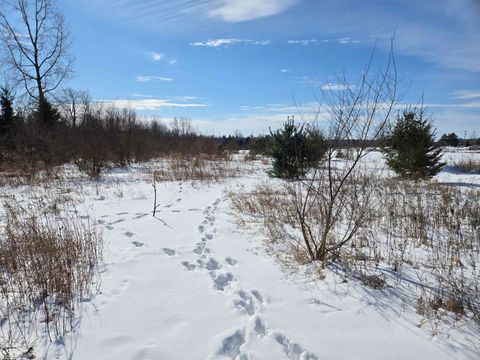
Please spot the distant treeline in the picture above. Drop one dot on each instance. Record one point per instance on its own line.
(77, 130)
(93, 137)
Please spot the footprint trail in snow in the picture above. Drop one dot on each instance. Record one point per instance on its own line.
(249, 302)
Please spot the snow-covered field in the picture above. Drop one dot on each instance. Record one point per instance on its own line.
(193, 284)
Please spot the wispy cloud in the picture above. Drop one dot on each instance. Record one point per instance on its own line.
(215, 43)
(347, 40)
(469, 105)
(337, 87)
(157, 57)
(149, 78)
(245, 10)
(170, 14)
(302, 42)
(440, 31)
(466, 95)
(307, 42)
(150, 104)
(284, 71)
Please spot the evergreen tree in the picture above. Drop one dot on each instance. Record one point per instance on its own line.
(410, 148)
(47, 116)
(295, 150)
(449, 140)
(6, 112)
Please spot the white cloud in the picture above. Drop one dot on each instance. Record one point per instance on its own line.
(284, 71)
(337, 87)
(443, 32)
(149, 104)
(302, 42)
(470, 105)
(148, 78)
(214, 43)
(347, 40)
(245, 10)
(466, 95)
(157, 57)
(262, 42)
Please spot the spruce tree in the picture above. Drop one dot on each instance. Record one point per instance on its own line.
(295, 149)
(449, 140)
(47, 115)
(411, 150)
(6, 112)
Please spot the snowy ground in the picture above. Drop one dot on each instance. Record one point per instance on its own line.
(195, 285)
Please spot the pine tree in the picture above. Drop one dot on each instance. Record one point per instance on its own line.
(6, 112)
(47, 115)
(295, 149)
(449, 140)
(411, 150)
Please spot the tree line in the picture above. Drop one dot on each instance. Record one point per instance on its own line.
(92, 137)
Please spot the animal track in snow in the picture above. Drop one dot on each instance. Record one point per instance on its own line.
(169, 252)
(200, 248)
(257, 295)
(260, 327)
(246, 303)
(122, 213)
(139, 216)
(230, 261)
(231, 345)
(137, 243)
(129, 234)
(116, 221)
(189, 266)
(221, 281)
(293, 350)
(212, 264)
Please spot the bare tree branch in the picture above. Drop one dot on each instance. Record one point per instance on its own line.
(37, 41)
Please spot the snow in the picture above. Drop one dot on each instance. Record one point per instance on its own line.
(194, 284)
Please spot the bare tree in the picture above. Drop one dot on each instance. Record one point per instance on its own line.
(332, 205)
(182, 127)
(73, 104)
(36, 39)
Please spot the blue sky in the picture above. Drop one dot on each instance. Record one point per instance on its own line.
(245, 64)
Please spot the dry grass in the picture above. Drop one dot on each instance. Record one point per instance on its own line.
(49, 265)
(430, 229)
(468, 165)
(200, 168)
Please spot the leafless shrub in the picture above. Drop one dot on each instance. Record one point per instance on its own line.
(430, 230)
(48, 263)
(333, 204)
(199, 168)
